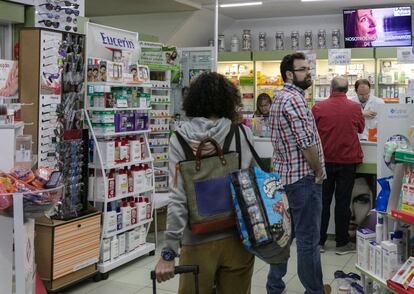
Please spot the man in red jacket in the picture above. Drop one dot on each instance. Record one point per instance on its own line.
(339, 120)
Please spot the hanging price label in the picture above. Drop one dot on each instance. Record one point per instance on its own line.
(339, 56)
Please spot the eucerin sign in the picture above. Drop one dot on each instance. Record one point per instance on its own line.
(103, 40)
(119, 43)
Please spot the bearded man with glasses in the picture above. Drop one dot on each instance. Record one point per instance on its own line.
(298, 158)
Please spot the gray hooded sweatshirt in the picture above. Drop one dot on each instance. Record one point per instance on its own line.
(195, 130)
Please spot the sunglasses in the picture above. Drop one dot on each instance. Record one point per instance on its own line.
(70, 11)
(68, 28)
(52, 7)
(50, 23)
(68, 3)
(51, 76)
(50, 15)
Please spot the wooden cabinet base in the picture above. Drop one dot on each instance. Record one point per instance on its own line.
(70, 279)
(67, 251)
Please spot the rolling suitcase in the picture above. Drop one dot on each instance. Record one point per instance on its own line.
(182, 269)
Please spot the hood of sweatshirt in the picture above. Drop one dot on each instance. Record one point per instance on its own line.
(199, 128)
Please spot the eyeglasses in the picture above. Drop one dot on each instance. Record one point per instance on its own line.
(68, 28)
(52, 7)
(50, 15)
(50, 23)
(68, 3)
(71, 11)
(302, 69)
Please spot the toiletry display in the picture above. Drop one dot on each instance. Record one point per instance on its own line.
(221, 43)
(336, 39)
(294, 40)
(321, 39)
(234, 46)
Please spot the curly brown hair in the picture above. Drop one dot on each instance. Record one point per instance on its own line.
(211, 94)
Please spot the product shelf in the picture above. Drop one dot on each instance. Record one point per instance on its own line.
(372, 276)
(161, 103)
(118, 109)
(114, 84)
(116, 134)
(125, 196)
(127, 257)
(139, 224)
(397, 288)
(159, 146)
(403, 216)
(159, 132)
(121, 165)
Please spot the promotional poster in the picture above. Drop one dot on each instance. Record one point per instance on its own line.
(377, 27)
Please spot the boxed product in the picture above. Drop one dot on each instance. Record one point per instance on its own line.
(124, 122)
(114, 71)
(390, 262)
(103, 129)
(404, 275)
(93, 69)
(106, 250)
(121, 244)
(372, 246)
(378, 261)
(103, 117)
(129, 241)
(364, 236)
(140, 121)
(107, 152)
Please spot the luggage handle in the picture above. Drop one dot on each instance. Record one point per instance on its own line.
(218, 149)
(181, 269)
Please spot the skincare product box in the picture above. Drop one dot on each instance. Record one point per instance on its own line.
(106, 250)
(364, 236)
(390, 262)
(107, 152)
(371, 267)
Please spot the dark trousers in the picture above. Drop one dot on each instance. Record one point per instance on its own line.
(340, 181)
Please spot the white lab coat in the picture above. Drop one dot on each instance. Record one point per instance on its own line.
(372, 104)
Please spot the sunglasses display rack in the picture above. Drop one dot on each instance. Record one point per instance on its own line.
(121, 166)
(58, 14)
(160, 118)
(53, 114)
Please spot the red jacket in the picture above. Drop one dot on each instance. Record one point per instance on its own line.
(339, 120)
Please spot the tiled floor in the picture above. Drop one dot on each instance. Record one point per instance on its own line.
(133, 278)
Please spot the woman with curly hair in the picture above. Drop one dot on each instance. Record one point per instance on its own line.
(211, 105)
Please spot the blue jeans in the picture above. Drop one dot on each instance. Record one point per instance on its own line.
(305, 201)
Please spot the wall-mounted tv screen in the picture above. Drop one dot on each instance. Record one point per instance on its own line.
(377, 27)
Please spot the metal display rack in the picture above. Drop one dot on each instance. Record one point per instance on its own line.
(101, 167)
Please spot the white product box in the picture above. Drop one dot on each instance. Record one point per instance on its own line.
(371, 266)
(364, 236)
(378, 261)
(390, 264)
(107, 152)
(137, 240)
(135, 150)
(103, 117)
(121, 244)
(106, 250)
(129, 241)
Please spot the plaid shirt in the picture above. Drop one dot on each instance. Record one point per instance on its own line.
(293, 129)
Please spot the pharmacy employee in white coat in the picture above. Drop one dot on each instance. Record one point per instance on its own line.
(369, 105)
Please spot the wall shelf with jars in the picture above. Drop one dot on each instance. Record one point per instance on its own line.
(362, 66)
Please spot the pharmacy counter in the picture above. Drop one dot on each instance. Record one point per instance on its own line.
(264, 148)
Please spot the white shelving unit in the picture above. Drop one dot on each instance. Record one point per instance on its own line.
(101, 167)
(160, 118)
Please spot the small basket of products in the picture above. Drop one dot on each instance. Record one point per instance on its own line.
(41, 191)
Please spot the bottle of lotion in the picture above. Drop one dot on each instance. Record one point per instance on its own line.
(379, 228)
(110, 219)
(134, 212)
(142, 209)
(114, 248)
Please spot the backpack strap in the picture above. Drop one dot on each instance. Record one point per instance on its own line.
(238, 145)
(254, 153)
(188, 152)
(228, 139)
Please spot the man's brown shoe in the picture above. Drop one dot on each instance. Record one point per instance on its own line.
(327, 289)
